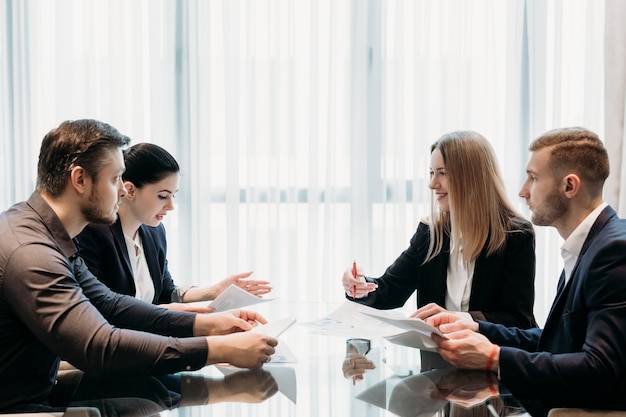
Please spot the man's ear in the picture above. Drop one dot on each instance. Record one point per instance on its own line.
(571, 184)
(78, 177)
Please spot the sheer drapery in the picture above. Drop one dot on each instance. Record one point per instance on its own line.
(615, 101)
(302, 127)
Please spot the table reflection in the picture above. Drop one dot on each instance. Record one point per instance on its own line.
(147, 396)
(442, 391)
(332, 377)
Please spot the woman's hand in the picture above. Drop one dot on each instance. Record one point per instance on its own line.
(253, 286)
(356, 287)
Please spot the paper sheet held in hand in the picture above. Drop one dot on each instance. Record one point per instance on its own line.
(235, 297)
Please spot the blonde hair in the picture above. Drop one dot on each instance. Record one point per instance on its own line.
(480, 212)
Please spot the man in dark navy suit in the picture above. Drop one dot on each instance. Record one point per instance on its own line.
(579, 358)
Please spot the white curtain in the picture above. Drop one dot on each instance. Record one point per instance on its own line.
(302, 127)
(615, 101)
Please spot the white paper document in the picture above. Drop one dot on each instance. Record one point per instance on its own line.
(275, 328)
(235, 297)
(282, 354)
(347, 321)
(356, 320)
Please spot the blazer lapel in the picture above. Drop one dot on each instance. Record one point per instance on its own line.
(150, 250)
(563, 288)
(120, 243)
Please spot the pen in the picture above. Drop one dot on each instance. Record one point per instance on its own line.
(354, 276)
(492, 410)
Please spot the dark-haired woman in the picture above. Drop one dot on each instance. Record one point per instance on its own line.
(130, 256)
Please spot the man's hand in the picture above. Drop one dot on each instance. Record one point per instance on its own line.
(448, 321)
(244, 350)
(252, 386)
(227, 322)
(466, 349)
(427, 311)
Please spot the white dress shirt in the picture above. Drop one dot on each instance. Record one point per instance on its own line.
(144, 287)
(574, 243)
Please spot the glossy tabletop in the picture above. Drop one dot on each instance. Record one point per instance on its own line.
(332, 376)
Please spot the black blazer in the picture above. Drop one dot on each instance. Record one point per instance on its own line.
(104, 250)
(579, 359)
(502, 288)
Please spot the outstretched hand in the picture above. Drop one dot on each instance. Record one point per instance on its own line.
(232, 321)
(253, 286)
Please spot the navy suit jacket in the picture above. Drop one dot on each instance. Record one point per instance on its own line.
(104, 250)
(503, 287)
(579, 359)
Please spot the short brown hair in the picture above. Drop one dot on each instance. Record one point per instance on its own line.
(74, 143)
(576, 150)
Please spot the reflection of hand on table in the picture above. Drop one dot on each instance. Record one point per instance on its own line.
(355, 365)
(253, 386)
(468, 388)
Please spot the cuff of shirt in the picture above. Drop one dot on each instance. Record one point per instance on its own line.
(179, 293)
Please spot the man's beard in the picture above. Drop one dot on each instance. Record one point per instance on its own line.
(554, 207)
(94, 213)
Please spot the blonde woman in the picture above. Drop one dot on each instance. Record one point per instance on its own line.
(474, 255)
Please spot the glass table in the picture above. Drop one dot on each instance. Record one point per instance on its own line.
(331, 376)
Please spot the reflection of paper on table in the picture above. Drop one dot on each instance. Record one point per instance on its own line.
(412, 396)
(356, 320)
(235, 297)
(285, 377)
(424, 394)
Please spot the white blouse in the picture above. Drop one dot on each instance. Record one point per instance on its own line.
(459, 283)
(141, 274)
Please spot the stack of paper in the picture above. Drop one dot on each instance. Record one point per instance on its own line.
(356, 320)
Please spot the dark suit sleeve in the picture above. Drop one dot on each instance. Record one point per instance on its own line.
(400, 279)
(583, 354)
(526, 339)
(45, 292)
(503, 289)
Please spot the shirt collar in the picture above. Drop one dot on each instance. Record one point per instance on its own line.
(574, 243)
(53, 224)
